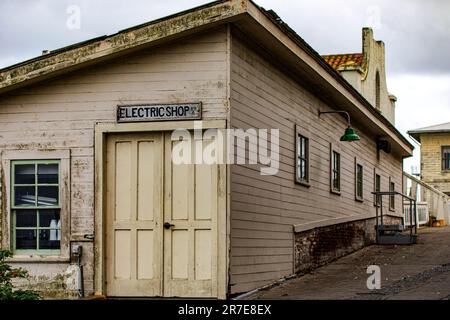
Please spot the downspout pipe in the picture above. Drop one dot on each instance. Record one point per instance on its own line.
(77, 252)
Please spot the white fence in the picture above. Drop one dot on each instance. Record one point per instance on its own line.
(422, 217)
(436, 202)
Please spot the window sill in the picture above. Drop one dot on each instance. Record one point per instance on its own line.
(359, 199)
(336, 192)
(303, 183)
(38, 258)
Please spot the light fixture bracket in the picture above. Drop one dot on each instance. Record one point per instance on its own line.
(350, 133)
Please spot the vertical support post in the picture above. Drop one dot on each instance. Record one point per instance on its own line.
(381, 209)
(376, 218)
(415, 217)
(410, 216)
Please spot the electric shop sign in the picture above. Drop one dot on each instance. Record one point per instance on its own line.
(159, 112)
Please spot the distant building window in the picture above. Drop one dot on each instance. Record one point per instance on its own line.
(302, 159)
(359, 181)
(336, 171)
(377, 200)
(391, 197)
(446, 158)
(35, 204)
(377, 91)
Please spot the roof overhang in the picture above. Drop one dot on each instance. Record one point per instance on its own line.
(124, 42)
(416, 134)
(262, 26)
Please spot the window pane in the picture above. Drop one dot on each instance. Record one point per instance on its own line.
(392, 197)
(48, 195)
(445, 157)
(378, 188)
(26, 218)
(359, 181)
(49, 219)
(48, 173)
(303, 149)
(301, 172)
(24, 196)
(334, 160)
(49, 239)
(336, 170)
(26, 239)
(24, 174)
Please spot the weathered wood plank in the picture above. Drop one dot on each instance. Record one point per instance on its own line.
(262, 96)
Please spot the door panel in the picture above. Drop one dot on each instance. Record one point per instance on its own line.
(144, 189)
(190, 246)
(134, 210)
(123, 173)
(146, 177)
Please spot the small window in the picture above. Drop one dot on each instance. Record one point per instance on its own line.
(302, 159)
(446, 158)
(336, 172)
(35, 205)
(391, 197)
(359, 182)
(377, 199)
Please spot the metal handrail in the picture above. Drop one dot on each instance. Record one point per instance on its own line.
(393, 193)
(412, 204)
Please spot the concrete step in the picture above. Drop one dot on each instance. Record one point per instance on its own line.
(397, 239)
(391, 227)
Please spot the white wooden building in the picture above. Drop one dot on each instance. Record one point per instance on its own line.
(74, 172)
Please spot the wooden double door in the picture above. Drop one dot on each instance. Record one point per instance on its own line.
(161, 220)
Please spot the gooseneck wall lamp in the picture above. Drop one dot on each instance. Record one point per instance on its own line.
(350, 133)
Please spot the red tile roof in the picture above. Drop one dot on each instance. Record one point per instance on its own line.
(347, 59)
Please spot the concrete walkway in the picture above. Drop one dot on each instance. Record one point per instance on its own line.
(420, 271)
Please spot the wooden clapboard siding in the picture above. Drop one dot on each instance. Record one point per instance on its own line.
(62, 113)
(265, 208)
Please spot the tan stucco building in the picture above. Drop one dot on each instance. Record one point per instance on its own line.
(366, 72)
(434, 155)
(86, 151)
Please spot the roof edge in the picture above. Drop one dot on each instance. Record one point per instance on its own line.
(290, 33)
(428, 131)
(208, 15)
(417, 133)
(94, 49)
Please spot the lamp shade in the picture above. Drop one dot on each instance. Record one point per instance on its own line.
(350, 135)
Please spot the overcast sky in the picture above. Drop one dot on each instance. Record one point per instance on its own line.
(416, 34)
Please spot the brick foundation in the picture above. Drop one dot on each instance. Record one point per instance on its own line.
(319, 246)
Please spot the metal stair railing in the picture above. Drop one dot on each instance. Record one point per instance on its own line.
(381, 227)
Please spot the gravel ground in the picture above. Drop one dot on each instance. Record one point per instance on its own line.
(420, 271)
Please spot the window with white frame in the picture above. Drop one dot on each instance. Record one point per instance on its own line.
(302, 159)
(36, 206)
(336, 171)
(445, 150)
(377, 187)
(359, 185)
(391, 197)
